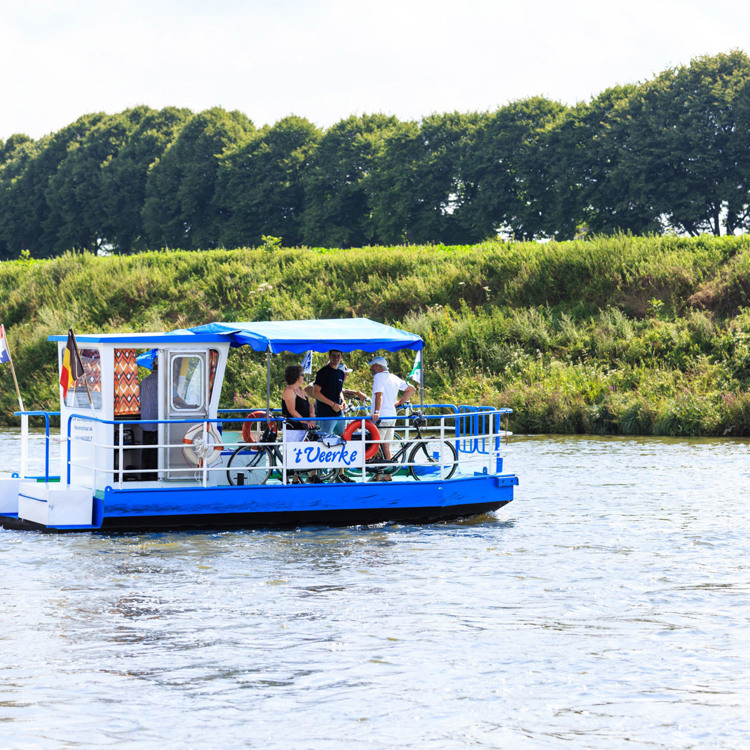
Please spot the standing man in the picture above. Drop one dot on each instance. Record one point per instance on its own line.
(329, 383)
(385, 389)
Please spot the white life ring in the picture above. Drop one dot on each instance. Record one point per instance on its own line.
(194, 449)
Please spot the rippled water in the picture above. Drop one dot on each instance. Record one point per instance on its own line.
(608, 604)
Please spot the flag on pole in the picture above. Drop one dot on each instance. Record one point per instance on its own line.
(416, 370)
(5, 357)
(72, 367)
(4, 353)
(307, 363)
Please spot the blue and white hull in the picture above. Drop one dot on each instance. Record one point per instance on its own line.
(54, 508)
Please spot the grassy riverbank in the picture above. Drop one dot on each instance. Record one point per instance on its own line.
(620, 335)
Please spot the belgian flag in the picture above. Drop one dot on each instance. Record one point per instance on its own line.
(72, 367)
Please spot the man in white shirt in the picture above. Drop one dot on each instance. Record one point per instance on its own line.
(385, 401)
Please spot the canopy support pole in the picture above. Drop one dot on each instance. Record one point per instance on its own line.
(268, 380)
(421, 381)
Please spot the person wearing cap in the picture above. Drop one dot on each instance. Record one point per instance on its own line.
(385, 401)
(329, 385)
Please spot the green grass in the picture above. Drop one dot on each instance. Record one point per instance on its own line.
(628, 335)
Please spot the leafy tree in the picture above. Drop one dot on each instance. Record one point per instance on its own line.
(511, 193)
(76, 196)
(123, 178)
(9, 149)
(337, 194)
(15, 155)
(417, 186)
(34, 223)
(689, 153)
(260, 186)
(179, 210)
(586, 176)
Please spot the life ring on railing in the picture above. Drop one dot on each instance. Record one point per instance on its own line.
(198, 452)
(252, 431)
(372, 431)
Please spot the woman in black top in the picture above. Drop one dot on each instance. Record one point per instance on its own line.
(295, 406)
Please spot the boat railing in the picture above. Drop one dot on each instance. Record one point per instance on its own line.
(474, 432)
(25, 442)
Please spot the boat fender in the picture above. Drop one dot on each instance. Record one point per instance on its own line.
(372, 431)
(198, 452)
(252, 431)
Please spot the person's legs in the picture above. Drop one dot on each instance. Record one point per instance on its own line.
(385, 427)
(150, 456)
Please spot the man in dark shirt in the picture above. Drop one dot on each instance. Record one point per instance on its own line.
(329, 382)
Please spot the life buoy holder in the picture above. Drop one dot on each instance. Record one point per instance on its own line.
(198, 452)
(252, 431)
(372, 431)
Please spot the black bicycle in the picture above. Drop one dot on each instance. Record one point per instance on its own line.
(427, 455)
(255, 463)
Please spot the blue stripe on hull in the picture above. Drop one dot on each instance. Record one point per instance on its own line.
(293, 505)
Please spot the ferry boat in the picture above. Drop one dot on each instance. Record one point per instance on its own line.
(199, 466)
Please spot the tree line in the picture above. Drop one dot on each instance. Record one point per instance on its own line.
(671, 154)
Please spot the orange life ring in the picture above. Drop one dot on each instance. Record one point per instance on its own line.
(252, 431)
(198, 452)
(372, 431)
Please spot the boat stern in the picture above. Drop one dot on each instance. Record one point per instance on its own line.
(51, 505)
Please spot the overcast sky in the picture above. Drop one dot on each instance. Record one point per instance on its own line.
(327, 59)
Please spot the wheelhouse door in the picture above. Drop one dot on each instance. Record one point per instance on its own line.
(187, 399)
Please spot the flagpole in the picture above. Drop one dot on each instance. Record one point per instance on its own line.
(24, 417)
(13, 370)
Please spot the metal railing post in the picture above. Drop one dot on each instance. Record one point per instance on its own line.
(121, 454)
(283, 454)
(67, 440)
(442, 439)
(362, 437)
(497, 442)
(204, 467)
(24, 445)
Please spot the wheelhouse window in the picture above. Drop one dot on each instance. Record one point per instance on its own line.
(78, 393)
(188, 388)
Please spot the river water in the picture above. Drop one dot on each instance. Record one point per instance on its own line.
(607, 606)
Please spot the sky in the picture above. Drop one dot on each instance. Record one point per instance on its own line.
(328, 59)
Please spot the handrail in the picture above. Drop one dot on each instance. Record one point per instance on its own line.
(46, 416)
(475, 433)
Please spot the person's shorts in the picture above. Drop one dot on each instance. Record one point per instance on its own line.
(385, 428)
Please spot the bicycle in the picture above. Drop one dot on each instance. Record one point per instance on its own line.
(255, 463)
(425, 459)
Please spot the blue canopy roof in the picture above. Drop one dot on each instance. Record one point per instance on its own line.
(276, 336)
(347, 334)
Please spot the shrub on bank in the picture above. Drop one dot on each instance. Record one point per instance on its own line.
(626, 335)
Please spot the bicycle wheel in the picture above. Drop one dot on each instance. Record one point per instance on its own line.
(429, 456)
(328, 475)
(249, 465)
(399, 448)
